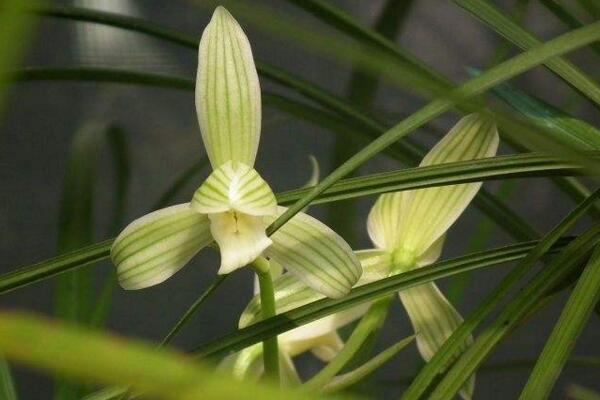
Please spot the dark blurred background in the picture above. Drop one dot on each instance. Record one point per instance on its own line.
(163, 134)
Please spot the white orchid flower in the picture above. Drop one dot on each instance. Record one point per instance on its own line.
(234, 205)
(408, 230)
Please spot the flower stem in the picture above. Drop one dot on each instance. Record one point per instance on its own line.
(267, 301)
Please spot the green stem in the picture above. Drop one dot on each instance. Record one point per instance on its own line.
(267, 302)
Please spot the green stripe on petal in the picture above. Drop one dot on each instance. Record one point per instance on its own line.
(316, 254)
(235, 187)
(384, 221)
(426, 214)
(156, 246)
(376, 265)
(434, 319)
(227, 92)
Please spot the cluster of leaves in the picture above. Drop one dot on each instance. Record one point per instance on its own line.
(549, 143)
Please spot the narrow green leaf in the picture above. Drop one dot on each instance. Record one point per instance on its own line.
(500, 167)
(313, 311)
(361, 90)
(89, 356)
(268, 71)
(404, 151)
(348, 379)
(576, 132)
(567, 18)
(7, 386)
(565, 128)
(592, 7)
(505, 26)
(514, 312)
(482, 236)
(192, 310)
(474, 87)
(74, 293)
(348, 25)
(452, 346)
(566, 331)
(436, 175)
(119, 148)
(76, 219)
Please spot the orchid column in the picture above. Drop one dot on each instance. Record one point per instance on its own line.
(234, 205)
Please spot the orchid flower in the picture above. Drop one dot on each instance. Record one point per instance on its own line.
(408, 229)
(234, 205)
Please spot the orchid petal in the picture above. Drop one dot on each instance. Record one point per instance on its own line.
(235, 187)
(376, 264)
(433, 253)
(156, 246)
(433, 319)
(241, 238)
(384, 221)
(228, 99)
(316, 254)
(426, 214)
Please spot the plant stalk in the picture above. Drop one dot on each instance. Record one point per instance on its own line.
(267, 302)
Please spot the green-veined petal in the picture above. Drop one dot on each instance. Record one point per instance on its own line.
(434, 319)
(241, 238)
(428, 213)
(433, 253)
(155, 246)
(376, 264)
(384, 221)
(234, 186)
(227, 92)
(316, 254)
